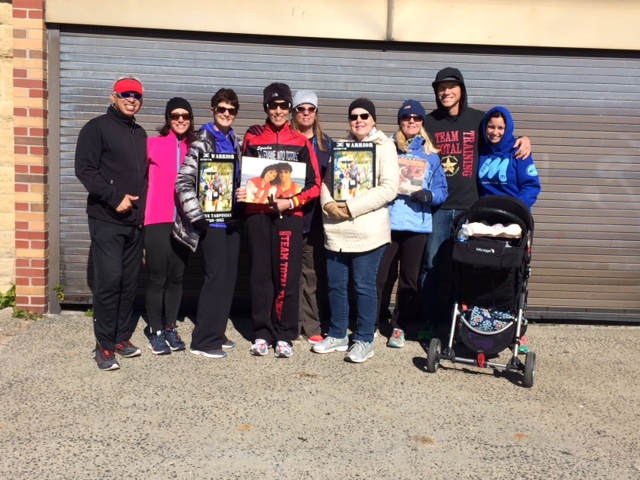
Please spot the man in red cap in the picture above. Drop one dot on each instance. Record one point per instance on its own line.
(111, 163)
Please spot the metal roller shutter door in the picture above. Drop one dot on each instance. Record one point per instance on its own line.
(581, 113)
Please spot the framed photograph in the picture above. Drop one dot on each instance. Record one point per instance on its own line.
(411, 174)
(215, 185)
(354, 169)
(267, 179)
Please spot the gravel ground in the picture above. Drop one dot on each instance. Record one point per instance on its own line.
(314, 416)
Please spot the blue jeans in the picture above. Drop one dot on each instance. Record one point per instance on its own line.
(434, 253)
(364, 269)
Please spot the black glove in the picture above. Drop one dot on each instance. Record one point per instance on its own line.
(422, 196)
(201, 224)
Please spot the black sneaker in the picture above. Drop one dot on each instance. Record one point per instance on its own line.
(105, 359)
(173, 338)
(127, 349)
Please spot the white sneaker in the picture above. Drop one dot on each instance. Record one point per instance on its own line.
(331, 344)
(360, 352)
(260, 348)
(283, 349)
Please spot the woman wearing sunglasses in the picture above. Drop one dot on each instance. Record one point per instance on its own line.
(356, 234)
(423, 186)
(313, 282)
(274, 231)
(220, 242)
(165, 257)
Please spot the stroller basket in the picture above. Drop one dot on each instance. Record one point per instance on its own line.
(487, 331)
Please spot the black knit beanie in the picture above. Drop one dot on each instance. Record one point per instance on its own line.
(363, 103)
(177, 102)
(276, 91)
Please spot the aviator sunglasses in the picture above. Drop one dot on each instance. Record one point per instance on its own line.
(363, 116)
(222, 110)
(178, 116)
(125, 95)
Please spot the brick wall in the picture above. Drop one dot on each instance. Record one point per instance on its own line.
(31, 155)
(7, 173)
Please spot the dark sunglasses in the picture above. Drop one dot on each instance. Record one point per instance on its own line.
(415, 118)
(137, 96)
(306, 109)
(178, 116)
(363, 116)
(282, 105)
(222, 110)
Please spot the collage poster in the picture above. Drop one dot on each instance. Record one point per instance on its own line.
(267, 179)
(354, 169)
(215, 185)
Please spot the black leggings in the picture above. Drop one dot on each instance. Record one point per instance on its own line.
(406, 250)
(166, 259)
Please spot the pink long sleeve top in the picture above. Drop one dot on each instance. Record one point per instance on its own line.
(164, 158)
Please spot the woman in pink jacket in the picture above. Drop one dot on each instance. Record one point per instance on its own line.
(166, 258)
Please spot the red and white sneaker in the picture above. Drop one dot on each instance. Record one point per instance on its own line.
(260, 348)
(283, 349)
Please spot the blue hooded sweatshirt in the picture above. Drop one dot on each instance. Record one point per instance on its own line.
(407, 215)
(499, 173)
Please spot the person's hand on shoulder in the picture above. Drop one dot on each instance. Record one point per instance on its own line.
(523, 146)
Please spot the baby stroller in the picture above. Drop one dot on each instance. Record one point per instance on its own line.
(491, 258)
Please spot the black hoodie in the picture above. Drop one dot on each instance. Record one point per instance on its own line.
(457, 139)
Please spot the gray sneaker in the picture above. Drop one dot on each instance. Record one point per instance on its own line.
(331, 344)
(360, 352)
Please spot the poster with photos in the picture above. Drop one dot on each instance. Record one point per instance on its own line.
(411, 174)
(354, 169)
(216, 172)
(267, 179)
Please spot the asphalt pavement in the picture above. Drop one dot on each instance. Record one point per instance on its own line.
(314, 416)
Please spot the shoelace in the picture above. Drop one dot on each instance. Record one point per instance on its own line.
(173, 332)
(397, 334)
(106, 354)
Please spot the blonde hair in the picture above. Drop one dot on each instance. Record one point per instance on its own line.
(403, 142)
(317, 131)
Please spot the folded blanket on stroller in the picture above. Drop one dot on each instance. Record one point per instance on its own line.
(483, 229)
(488, 320)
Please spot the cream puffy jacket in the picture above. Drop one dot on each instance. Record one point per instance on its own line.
(369, 226)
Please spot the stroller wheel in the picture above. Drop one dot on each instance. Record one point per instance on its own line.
(433, 360)
(529, 370)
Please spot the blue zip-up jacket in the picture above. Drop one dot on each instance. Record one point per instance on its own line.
(407, 215)
(499, 173)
